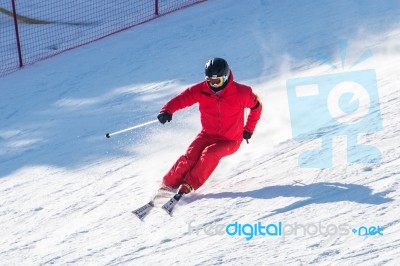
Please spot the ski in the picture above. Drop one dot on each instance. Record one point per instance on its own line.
(169, 205)
(144, 210)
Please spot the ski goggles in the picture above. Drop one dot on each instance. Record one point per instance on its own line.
(215, 81)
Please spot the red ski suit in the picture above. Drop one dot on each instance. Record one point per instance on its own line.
(222, 119)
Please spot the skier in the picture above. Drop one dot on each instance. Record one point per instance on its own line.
(222, 102)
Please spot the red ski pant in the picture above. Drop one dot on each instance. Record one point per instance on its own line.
(200, 160)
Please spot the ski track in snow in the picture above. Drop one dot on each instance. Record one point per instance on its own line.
(67, 192)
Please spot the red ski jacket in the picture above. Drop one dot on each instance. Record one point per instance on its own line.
(222, 114)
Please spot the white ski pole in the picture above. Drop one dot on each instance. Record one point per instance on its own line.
(108, 135)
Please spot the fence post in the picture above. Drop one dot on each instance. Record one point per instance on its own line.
(17, 34)
(156, 8)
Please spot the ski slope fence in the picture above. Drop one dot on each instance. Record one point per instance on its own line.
(31, 31)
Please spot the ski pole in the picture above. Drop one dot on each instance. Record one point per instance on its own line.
(108, 135)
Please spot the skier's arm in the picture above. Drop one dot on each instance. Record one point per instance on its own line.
(186, 98)
(255, 106)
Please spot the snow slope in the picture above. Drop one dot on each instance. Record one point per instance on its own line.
(66, 191)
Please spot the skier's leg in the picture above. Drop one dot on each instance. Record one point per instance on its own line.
(209, 160)
(175, 175)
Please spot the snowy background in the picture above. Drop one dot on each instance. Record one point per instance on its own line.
(66, 192)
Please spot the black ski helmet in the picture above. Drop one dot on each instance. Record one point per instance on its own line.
(217, 67)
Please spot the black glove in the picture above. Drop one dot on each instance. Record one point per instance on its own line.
(164, 117)
(247, 135)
